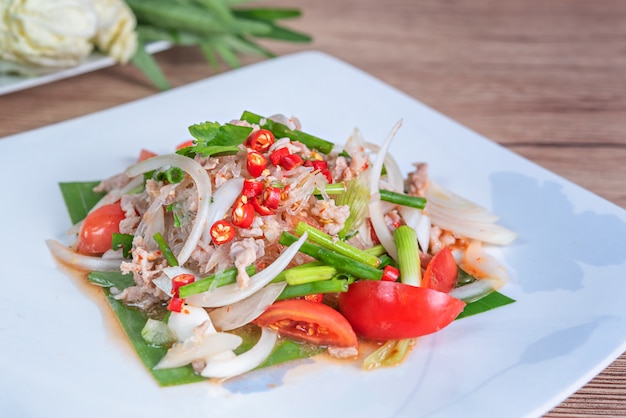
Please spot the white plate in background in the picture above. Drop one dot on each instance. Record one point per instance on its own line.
(96, 61)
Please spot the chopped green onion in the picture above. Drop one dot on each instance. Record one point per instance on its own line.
(344, 153)
(408, 255)
(158, 334)
(309, 274)
(165, 249)
(386, 260)
(403, 199)
(340, 247)
(376, 250)
(331, 189)
(314, 288)
(281, 131)
(331, 258)
(219, 279)
(171, 175)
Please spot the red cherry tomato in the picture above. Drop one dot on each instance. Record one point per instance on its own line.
(291, 161)
(97, 231)
(260, 208)
(252, 188)
(310, 322)
(271, 197)
(256, 163)
(278, 155)
(381, 310)
(144, 154)
(242, 214)
(260, 140)
(222, 231)
(441, 272)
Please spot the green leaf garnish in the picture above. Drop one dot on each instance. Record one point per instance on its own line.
(79, 198)
(487, 303)
(123, 241)
(213, 138)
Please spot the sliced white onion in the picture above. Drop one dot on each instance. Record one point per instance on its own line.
(244, 362)
(199, 346)
(164, 280)
(463, 217)
(222, 201)
(231, 293)
(203, 187)
(184, 323)
(477, 262)
(437, 195)
(79, 261)
(245, 311)
(490, 273)
(476, 290)
(376, 213)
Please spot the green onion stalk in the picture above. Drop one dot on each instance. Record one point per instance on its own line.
(221, 29)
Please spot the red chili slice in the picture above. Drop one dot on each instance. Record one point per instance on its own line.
(390, 274)
(271, 197)
(260, 140)
(278, 155)
(242, 214)
(176, 304)
(222, 231)
(291, 161)
(252, 188)
(256, 163)
(260, 208)
(181, 280)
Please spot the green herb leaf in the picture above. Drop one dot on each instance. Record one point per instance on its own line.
(111, 279)
(213, 138)
(123, 241)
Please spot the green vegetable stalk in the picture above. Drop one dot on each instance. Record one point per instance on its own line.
(220, 28)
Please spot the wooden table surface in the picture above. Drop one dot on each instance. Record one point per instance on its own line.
(545, 78)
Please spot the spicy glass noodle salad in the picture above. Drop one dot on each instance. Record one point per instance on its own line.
(256, 243)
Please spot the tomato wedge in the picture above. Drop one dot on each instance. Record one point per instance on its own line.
(144, 154)
(96, 232)
(381, 310)
(308, 321)
(441, 272)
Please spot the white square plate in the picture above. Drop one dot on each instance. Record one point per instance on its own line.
(60, 354)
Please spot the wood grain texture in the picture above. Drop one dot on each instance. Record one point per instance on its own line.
(544, 78)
